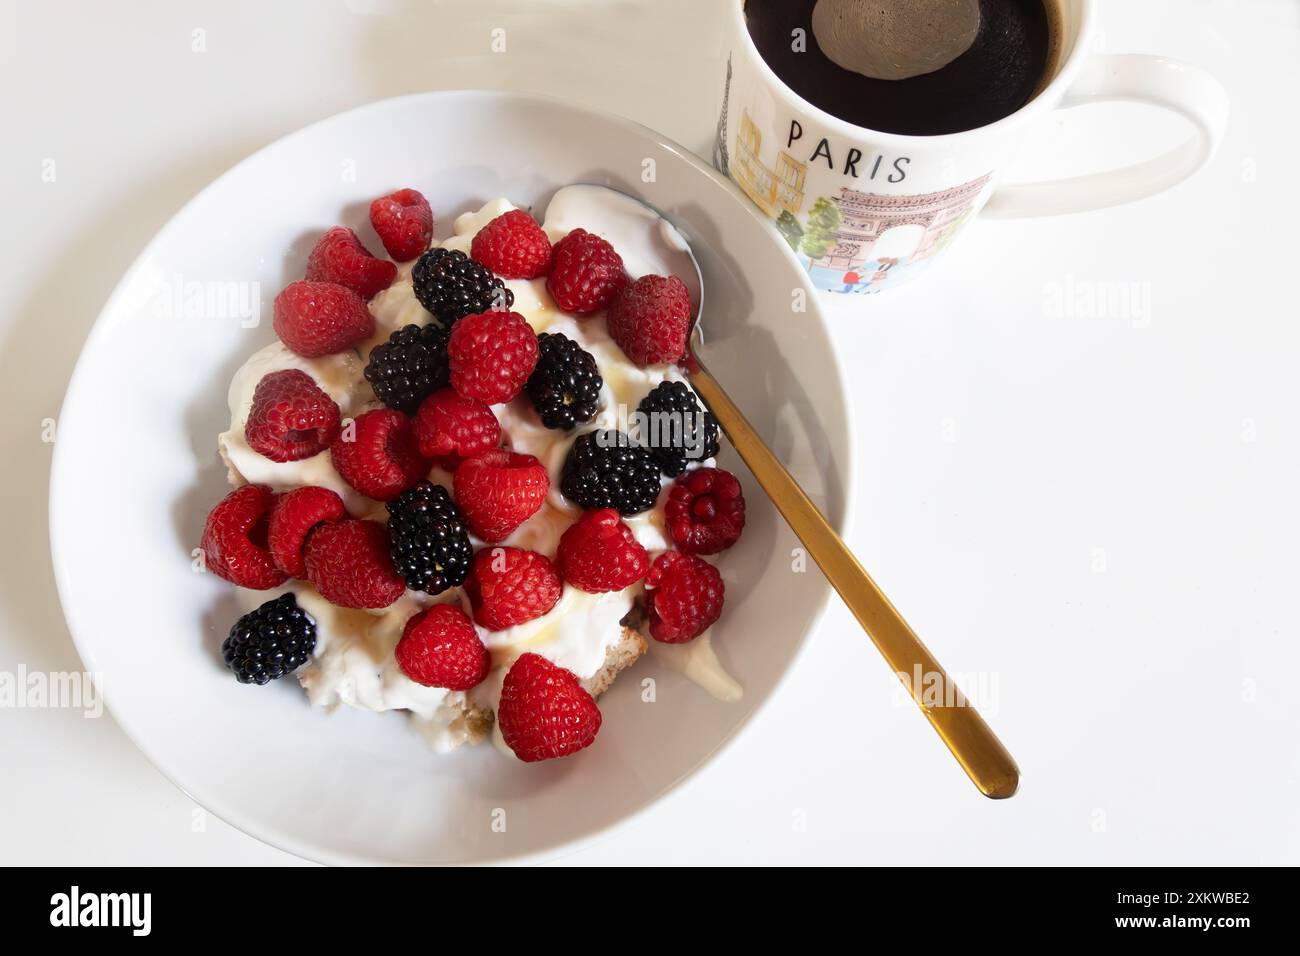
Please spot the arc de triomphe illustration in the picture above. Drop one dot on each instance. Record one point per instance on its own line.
(867, 217)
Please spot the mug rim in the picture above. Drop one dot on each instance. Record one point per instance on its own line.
(1051, 93)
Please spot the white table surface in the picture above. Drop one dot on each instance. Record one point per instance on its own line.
(1095, 515)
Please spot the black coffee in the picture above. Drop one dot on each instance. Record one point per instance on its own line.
(1000, 72)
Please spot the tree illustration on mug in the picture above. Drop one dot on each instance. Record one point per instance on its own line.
(789, 228)
(824, 221)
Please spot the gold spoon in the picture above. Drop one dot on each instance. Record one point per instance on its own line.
(962, 729)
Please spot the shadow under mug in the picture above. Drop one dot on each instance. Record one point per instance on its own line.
(866, 210)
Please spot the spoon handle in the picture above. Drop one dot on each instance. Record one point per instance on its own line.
(959, 724)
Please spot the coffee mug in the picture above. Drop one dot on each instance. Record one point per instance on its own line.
(866, 210)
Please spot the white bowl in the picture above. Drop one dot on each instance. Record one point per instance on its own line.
(136, 470)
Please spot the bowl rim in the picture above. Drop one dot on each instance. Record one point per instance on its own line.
(61, 484)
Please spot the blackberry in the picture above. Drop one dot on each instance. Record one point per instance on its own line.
(451, 285)
(676, 428)
(430, 541)
(410, 366)
(565, 385)
(270, 642)
(605, 470)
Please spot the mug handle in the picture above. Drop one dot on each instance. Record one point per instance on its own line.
(1174, 86)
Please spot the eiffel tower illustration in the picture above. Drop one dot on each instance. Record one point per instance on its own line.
(720, 159)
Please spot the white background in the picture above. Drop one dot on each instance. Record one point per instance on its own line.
(1090, 510)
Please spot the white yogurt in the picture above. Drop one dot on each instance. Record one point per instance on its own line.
(698, 661)
(353, 663)
(339, 376)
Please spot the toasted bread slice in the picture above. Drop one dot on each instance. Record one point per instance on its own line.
(474, 725)
(618, 658)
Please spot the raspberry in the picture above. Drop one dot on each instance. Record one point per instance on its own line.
(293, 516)
(269, 642)
(381, 460)
(705, 511)
(348, 563)
(586, 273)
(600, 553)
(429, 538)
(410, 366)
(544, 711)
(451, 286)
(676, 427)
(605, 470)
(650, 319)
(440, 648)
(339, 257)
(683, 597)
(513, 246)
(234, 539)
(509, 586)
(498, 491)
(450, 428)
(491, 355)
(290, 418)
(321, 318)
(565, 386)
(404, 222)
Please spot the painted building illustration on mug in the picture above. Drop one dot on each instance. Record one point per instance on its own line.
(773, 189)
(854, 241)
